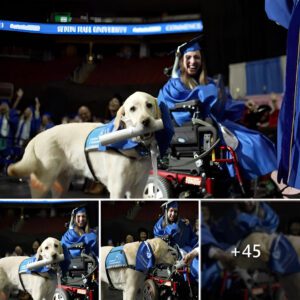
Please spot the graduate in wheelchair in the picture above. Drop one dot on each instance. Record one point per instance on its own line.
(80, 245)
(181, 280)
(194, 99)
(79, 231)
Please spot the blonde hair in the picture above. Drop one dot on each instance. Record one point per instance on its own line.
(192, 82)
(81, 231)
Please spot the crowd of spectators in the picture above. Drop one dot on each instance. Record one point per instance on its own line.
(18, 127)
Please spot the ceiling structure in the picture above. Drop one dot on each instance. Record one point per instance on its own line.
(40, 10)
(234, 30)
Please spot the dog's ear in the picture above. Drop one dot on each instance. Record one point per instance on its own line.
(39, 253)
(60, 248)
(118, 119)
(157, 111)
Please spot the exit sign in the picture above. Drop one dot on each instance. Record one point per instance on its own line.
(62, 18)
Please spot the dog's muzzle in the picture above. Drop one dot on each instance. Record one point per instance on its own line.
(45, 262)
(138, 132)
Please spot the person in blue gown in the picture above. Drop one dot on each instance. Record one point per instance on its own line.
(256, 153)
(80, 232)
(8, 123)
(178, 230)
(287, 14)
(235, 225)
(243, 219)
(214, 259)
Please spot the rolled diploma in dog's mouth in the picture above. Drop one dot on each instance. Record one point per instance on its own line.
(130, 132)
(45, 262)
(180, 264)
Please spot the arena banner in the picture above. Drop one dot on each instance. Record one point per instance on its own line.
(103, 29)
(38, 201)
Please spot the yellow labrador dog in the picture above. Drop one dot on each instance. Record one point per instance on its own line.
(55, 155)
(40, 287)
(126, 278)
(265, 242)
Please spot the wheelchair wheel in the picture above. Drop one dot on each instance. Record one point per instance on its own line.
(163, 189)
(150, 291)
(61, 294)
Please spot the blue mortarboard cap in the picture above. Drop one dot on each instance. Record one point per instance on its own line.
(191, 47)
(169, 204)
(78, 210)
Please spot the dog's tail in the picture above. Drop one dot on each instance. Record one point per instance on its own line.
(26, 165)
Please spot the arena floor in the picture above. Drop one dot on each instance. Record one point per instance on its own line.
(117, 295)
(18, 188)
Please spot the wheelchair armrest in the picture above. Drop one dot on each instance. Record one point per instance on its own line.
(187, 104)
(76, 246)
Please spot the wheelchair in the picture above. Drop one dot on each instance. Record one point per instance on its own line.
(81, 280)
(257, 286)
(167, 282)
(196, 164)
(192, 169)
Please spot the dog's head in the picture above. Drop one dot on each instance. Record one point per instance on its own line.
(163, 253)
(49, 249)
(139, 109)
(263, 242)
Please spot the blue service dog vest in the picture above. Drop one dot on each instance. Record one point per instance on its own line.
(23, 267)
(116, 258)
(283, 259)
(145, 260)
(92, 142)
(24, 270)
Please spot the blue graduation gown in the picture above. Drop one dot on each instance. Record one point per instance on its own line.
(89, 239)
(210, 271)
(235, 225)
(256, 153)
(207, 238)
(35, 124)
(287, 13)
(181, 233)
(12, 123)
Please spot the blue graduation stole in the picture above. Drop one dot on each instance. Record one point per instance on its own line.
(283, 259)
(145, 259)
